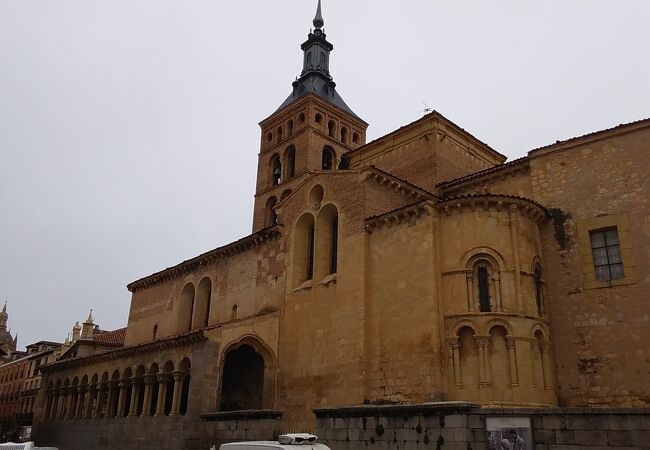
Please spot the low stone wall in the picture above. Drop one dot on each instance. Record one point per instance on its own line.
(159, 433)
(462, 426)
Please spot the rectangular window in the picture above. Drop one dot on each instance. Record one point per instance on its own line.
(606, 251)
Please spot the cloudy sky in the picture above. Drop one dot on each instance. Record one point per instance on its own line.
(128, 128)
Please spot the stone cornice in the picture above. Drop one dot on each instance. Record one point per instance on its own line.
(397, 184)
(191, 265)
(493, 173)
(496, 202)
(399, 215)
(253, 414)
(162, 344)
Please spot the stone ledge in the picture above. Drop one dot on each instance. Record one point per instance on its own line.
(249, 414)
(424, 409)
(553, 411)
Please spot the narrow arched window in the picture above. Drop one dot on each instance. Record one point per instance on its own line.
(276, 170)
(290, 162)
(290, 128)
(155, 332)
(345, 163)
(233, 312)
(344, 135)
(539, 289)
(331, 128)
(334, 246)
(483, 288)
(327, 159)
(310, 252)
(271, 215)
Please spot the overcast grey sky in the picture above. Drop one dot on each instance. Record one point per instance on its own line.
(129, 136)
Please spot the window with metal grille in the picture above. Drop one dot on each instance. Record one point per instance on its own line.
(539, 289)
(483, 289)
(606, 251)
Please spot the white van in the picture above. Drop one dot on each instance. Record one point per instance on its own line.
(294, 441)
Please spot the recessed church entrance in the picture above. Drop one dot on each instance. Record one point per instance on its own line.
(243, 380)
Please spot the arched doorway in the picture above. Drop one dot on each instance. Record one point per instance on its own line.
(243, 380)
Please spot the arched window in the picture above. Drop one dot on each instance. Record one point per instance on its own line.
(303, 250)
(269, 137)
(301, 118)
(331, 128)
(201, 315)
(355, 138)
(327, 229)
(279, 134)
(539, 289)
(290, 127)
(483, 279)
(155, 331)
(483, 291)
(276, 170)
(344, 135)
(334, 243)
(234, 312)
(186, 308)
(327, 158)
(308, 60)
(271, 215)
(318, 118)
(323, 61)
(290, 162)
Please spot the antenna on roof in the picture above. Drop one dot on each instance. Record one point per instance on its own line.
(427, 109)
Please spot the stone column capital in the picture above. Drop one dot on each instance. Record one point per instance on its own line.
(179, 375)
(150, 378)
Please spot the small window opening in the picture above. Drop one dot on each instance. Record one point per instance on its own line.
(277, 171)
(301, 118)
(344, 164)
(155, 332)
(331, 128)
(355, 138)
(318, 118)
(334, 246)
(310, 253)
(279, 133)
(344, 135)
(290, 128)
(234, 312)
(327, 159)
(291, 162)
(269, 137)
(483, 289)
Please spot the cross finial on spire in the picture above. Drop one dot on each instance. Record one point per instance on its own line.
(318, 20)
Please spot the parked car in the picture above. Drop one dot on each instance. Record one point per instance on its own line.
(294, 441)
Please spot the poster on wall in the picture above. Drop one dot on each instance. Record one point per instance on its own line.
(509, 433)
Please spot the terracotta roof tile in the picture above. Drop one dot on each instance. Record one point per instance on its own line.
(115, 337)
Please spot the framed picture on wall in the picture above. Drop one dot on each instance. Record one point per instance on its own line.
(509, 433)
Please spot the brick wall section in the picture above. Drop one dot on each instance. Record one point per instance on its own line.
(460, 426)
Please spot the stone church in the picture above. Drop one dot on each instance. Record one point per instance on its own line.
(419, 267)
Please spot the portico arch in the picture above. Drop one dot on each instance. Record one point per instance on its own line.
(247, 376)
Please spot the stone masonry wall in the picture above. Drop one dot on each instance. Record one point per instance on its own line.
(461, 426)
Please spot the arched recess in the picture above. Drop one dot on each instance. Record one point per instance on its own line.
(275, 170)
(271, 216)
(185, 308)
(285, 194)
(247, 376)
(303, 250)
(331, 128)
(469, 361)
(484, 291)
(290, 127)
(74, 400)
(344, 164)
(93, 391)
(327, 159)
(127, 374)
(499, 360)
(344, 135)
(185, 366)
(201, 314)
(537, 354)
(290, 162)
(155, 389)
(327, 234)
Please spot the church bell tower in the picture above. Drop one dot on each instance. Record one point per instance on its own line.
(311, 131)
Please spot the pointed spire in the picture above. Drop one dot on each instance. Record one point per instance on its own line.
(90, 317)
(4, 308)
(318, 20)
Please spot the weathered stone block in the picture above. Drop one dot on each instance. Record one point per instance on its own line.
(583, 422)
(564, 437)
(617, 438)
(591, 437)
(624, 422)
(555, 422)
(544, 436)
(475, 421)
(640, 438)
